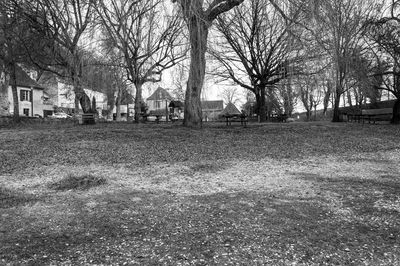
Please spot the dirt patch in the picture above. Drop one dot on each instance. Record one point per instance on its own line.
(81, 182)
(13, 198)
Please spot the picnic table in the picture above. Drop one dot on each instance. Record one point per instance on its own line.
(242, 118)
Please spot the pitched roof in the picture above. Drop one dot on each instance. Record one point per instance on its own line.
(212, 105)
(159, 94)
(23, 80)
(230, 109)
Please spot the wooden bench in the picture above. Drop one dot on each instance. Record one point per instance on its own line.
(384, 114)
(236, 118)
(87, 119)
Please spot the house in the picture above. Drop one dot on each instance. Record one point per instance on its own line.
(230, 110)
(32, 99)
(211, 109)
(62, 95)
(158, 102)
(161, 103)
(160, 99)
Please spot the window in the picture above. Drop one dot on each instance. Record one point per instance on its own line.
(25, 95)
(26, 111)
(158, 104)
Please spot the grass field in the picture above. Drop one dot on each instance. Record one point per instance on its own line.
(272, 194)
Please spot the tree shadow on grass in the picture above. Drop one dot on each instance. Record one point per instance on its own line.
(78, 182)
(210, 167)
(384, 183)
(13, 198)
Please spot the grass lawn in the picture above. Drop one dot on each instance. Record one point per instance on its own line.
(273, 194)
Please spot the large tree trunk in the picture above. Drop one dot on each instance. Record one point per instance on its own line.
(118, 105)
(396, 112)
(80, 95)
(344, 100)
(4, 104)
(269, 103)
(198, 31)
(356, 97)
(336, 112)
(84, 100)
(94, 107)
(138, 102)
(13, 79)
(110, 105)
(327, 96)
(4, 83)
(198, 22)
(258, 97)
(263, 105)
(349, 100)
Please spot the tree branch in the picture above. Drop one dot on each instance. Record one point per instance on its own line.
(218, 7)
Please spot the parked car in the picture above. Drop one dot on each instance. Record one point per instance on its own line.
(60, 115)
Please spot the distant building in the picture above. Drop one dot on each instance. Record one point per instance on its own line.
(211, 109)
(161, 103)
(158, 102)
(32, 99)
(62, 94)
(230, 110)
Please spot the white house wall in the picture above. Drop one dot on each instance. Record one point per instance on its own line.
(66, 97)
(152, 104)
(37, 102)
(101, 99)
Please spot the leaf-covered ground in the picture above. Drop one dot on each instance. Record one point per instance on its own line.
(273, 194)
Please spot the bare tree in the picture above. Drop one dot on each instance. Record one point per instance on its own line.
(179, 80)
(384, 33)
(106, 76)
(287, 95)
(255, 49)
(199, 21)
(310, 94)
(230, 95)
(148, 39)
(8, 22)
(327, 92)
(361, 80)
(64, 24)
(337, 26)
(15, 39)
